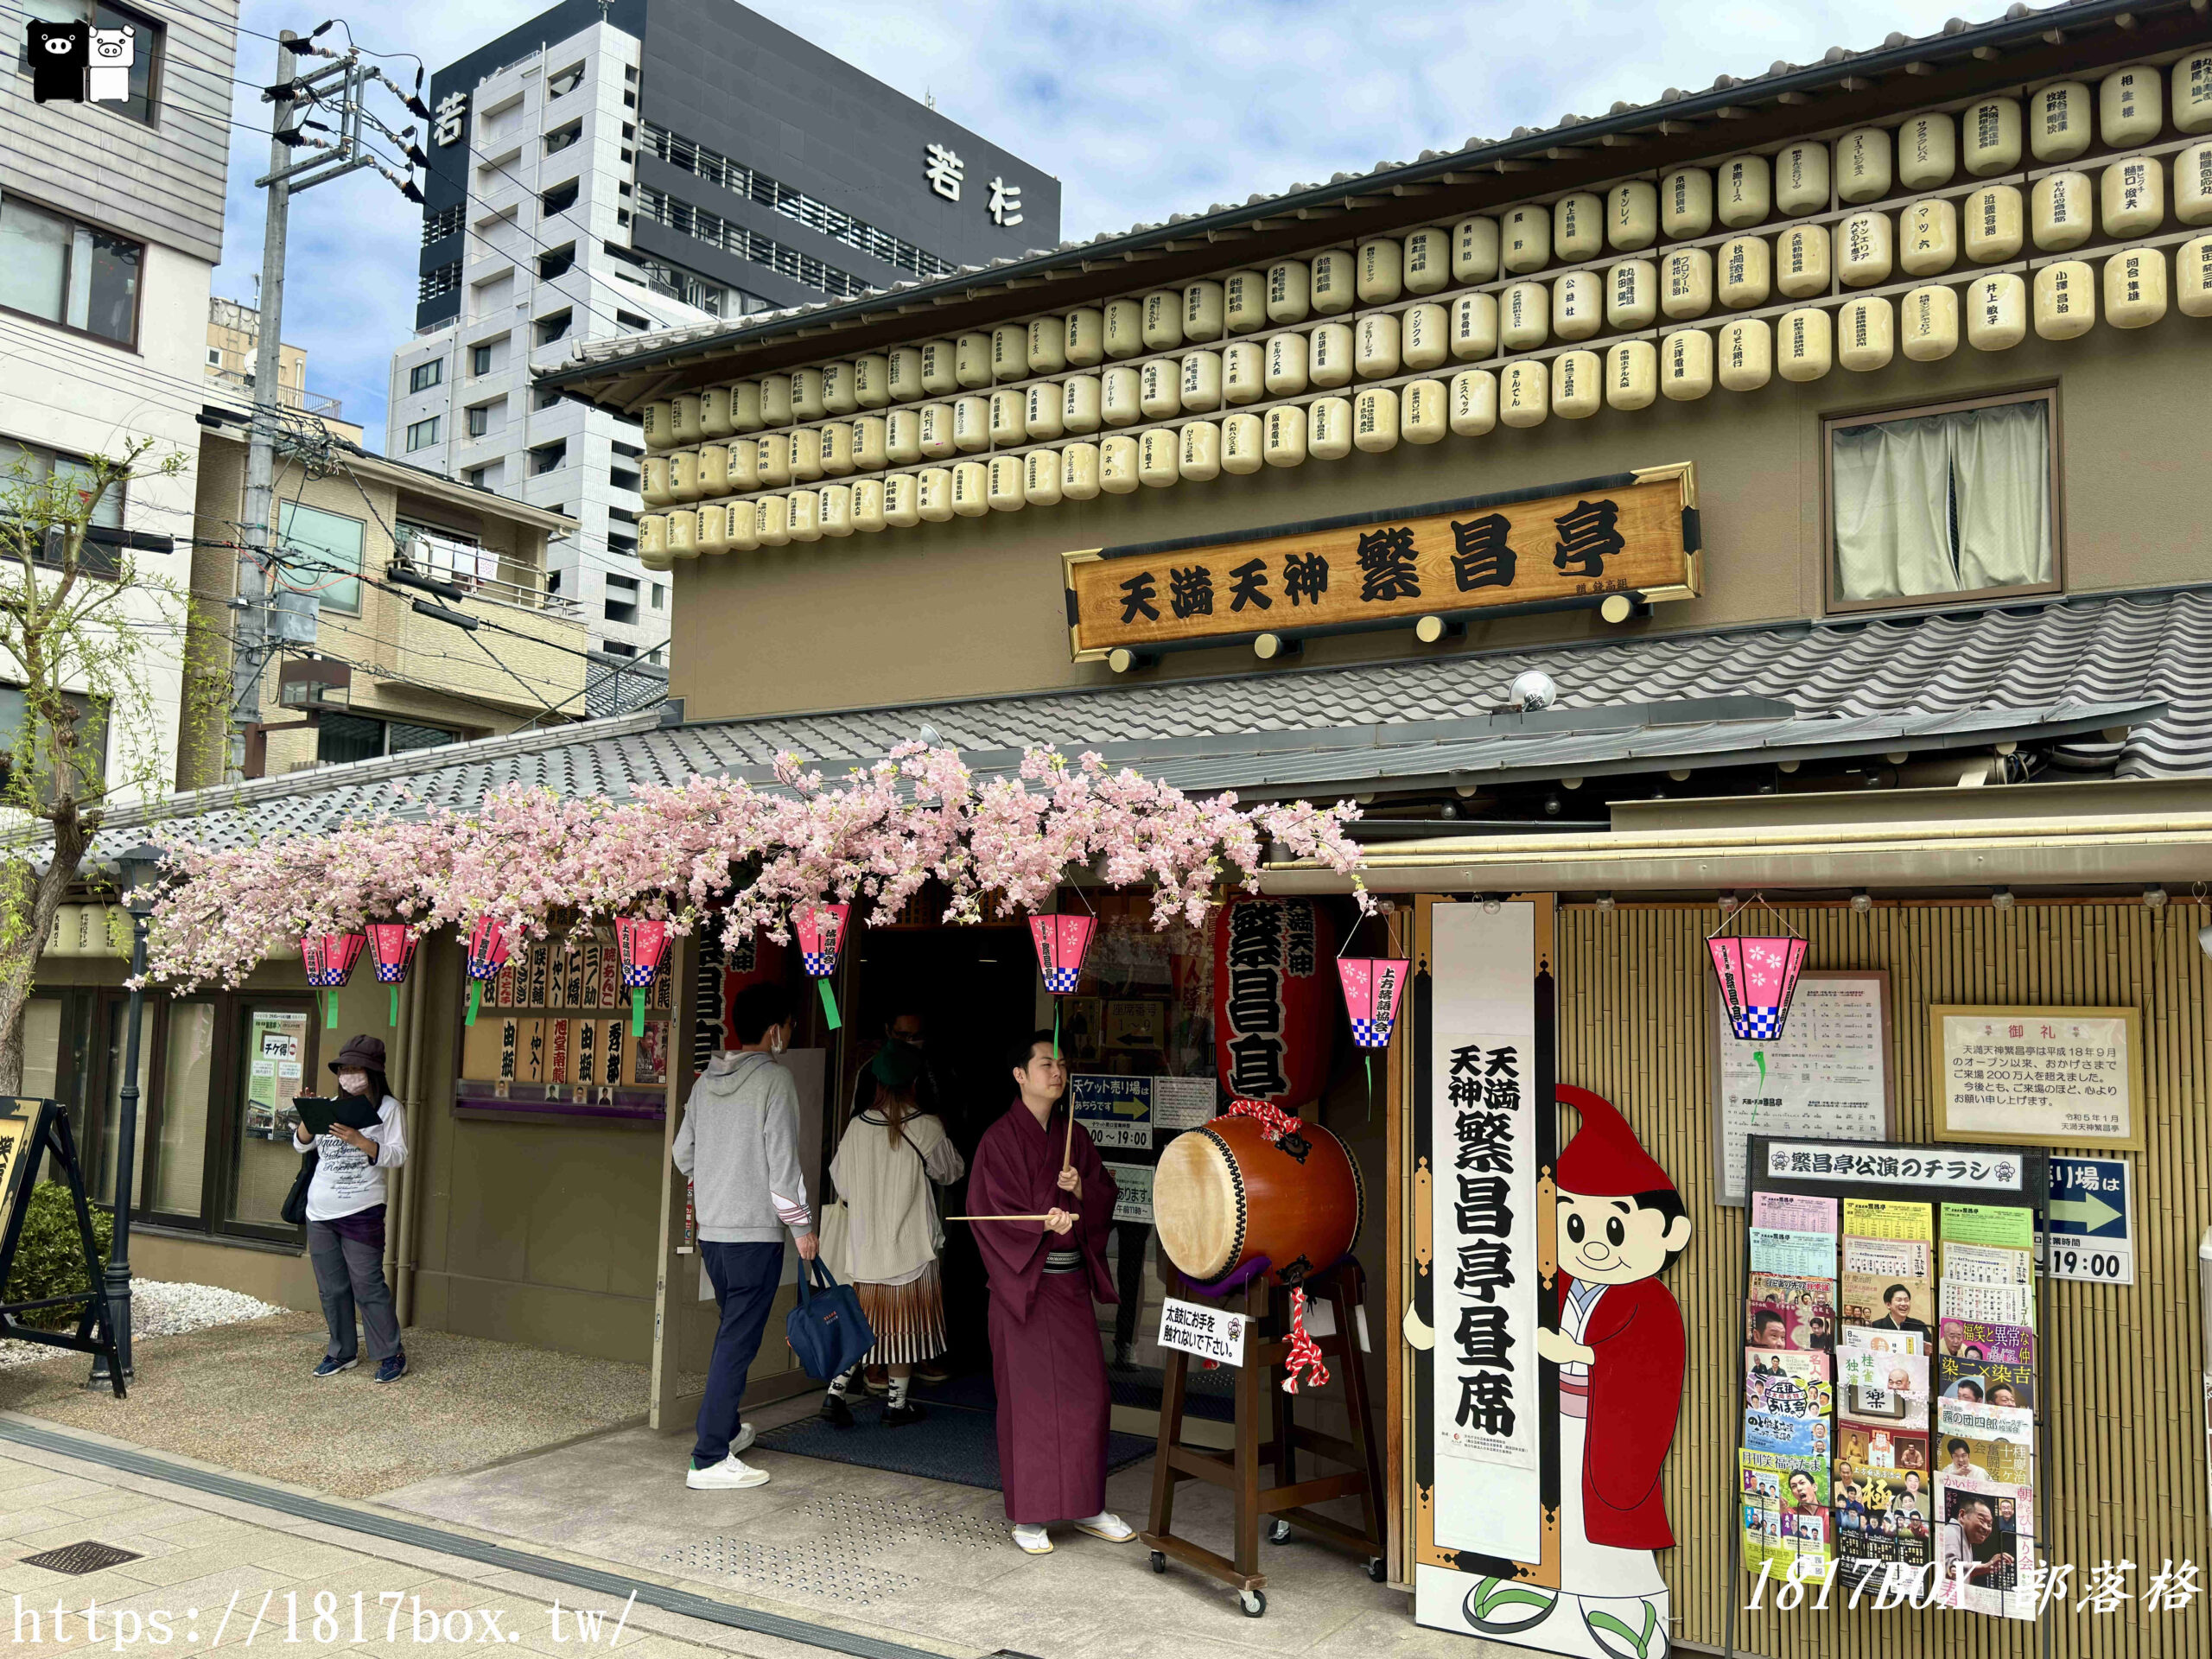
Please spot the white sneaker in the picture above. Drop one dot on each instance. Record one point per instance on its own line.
(1033, 1540)
(1107, 1525)
(727, 1476)
(744, 1440)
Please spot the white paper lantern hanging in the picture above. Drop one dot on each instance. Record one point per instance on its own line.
(1159, 456)
(1996, 224)
(2060, 124)
(1204, 311)
(2135, 288)
(1687, 284)
(1686, 365)
(1375, 420)
(1685, 203)
(1801, 262)
(1996, 312)
(1332, 282)
(1474, 402)
(1631, 295)
(1475, 246)
(741, 525)
(713, 529)
(838, 397)
(2192, 102)
(775, 400)
(1864, 166)
(2062, 211)
(1577, 382)
(2066, 299)
(1199, 458)
(741, 464)
(1244, 301)
(683, 418)
(1201, 380)
(806, 455)
(902, 437)
(1041, 412)
(1745, 351)
(1928, 237)
(745, 400)
(2130, 106)
(1422, 416)
(803, 515)
(1122, 328)
(871, 386)
(1804, 345)
(772, 460)
(1328, 428)
(869, 444)
(1631, 374)
(1242, 439)
(1524, 394)
(1991, 136)
(1121, 398)
(1048, 344)
(656, 421)
(2193, 185)
(1375, 346)
(1744, 277)
(1427, 261)
(1578, 227)
(1009, 357)
(1632, 215)
(1329, 354)
(1079, 471)
(1290, 291)
(941, 375)
(1425, 337)
(806, 395)
(1159, 388)
(1928, 151)
(1083, 344)
(1285, 375)
(836, 448)
(1865, 251)
(1081, 410)
(902, 501)
(836, 509)
(1524, 316)
(2133, 197)
(1283, 442)
(1527, 233)
(868, 506)
(1578, 305)
(1163, 320)
(2193, 277)
(653, 540)
(772, 520)
(1006, 483)
(903, 378)
(971, 489)
(684, 534)
(1928, 323)
(934, 494)
(714, 406)
(1800, 178)
(1866, 332)
(1245, 372)
(936, 435)
(1474, 326)
(1382, 271)
(971, 424)
(653, 482)
(1744, 191)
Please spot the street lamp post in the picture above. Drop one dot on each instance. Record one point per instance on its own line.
(137, 870)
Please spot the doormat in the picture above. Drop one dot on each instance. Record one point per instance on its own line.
(1210, 1395)
(953, 1445)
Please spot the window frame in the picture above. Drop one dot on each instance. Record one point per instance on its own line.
(435, 367)
(148, 26)
(69, 272)
(1834, 603)
(429, 442)
(286, 510)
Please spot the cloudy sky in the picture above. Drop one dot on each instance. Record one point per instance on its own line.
(1143, 108)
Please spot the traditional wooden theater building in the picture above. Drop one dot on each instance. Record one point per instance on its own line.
(1790, 488)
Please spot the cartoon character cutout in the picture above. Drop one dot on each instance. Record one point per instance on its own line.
(59, 54)
(107, 77)
(1620, 1349)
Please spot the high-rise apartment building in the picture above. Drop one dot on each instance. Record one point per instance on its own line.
(652, 164)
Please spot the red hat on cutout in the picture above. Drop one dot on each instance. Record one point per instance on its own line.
(1604, 1160)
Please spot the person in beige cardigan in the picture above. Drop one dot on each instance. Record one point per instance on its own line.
(891, 1154)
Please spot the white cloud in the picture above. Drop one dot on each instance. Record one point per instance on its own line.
(1141, 108)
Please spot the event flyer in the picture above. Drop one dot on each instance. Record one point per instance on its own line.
(1986, 1381)
(1888, 1218)
(1785, 1509)
(1984, 1443)
(1986, 1264)
(1887, 1389)
(2009, 1226)
(1786, 1400)
(1883, 1517)
(1788, 1312)
(1883, 1341)
(1792, 1212)
(1987, 1535)
(1984, 1339)
(1876, 1453)
(1807, 1256)
(1990, 1303)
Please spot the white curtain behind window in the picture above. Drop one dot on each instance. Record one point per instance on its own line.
(2002, 455)
(1892, 509)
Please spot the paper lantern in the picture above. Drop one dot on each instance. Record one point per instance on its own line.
(1759, 977)
(773, 521)
(1061, 942)
(1686, 365)
(1578, 305)
(806, 454)
(1631, 374)
(1686, 289)
(1117, 465)
(1523, 394)
(683, 418)
(2193, 185)
(1995, 224)
(1380, 271)
(1290, 291)
(1801, 261)
(871, 383)
(1421, 412)
(1198, 458)
(2061, 211)
(1373, 989)
(1079, 471)
(1577, 390)
(683, 533)
(1997, 312)
(1048, 352)
(1475, 246)
(806, 395)
(1328, 428)
(2193, 277)
(1159, 456)
(1632, 215)
(653, 420)
(1241, 440)
(1041, 479)
(1929, 238)
(713, 529)
(2129, 106)
(1200, 376)
(1274, 998)
(834, 442)
(1329, 354)
(1631, 295)
(1744, 275)
(1867, 251)
(820, 929)
(904, 377)
(1082, 407)
(1745, 350)
(391, 951)
(1375, 420)
(741, 464)
(1864, 167)
(1474, 402)
(1427, 261)
(1744, 191)
(1800, 178)
(741, 525)
(1122, 396)
(1424, 337)
(936, 431)
(1804, 345)
(1002, 484)
(1524, 316)
(1526, 233)
(902, 436)
(1160, 391)
(1928, 151)
(1041, 407)
(2066, 299)
(1009, 355)
(653, 537)
(868, 505)
(871, 444)
(1865, 333)
(1205, 310)
(1163, 320)
(940, 365)
(683, 475)
(776, 400)
(330, 959)
(1244, 301)
(971, 424)
(2059, 127)
(486, 955)
(1928, 323)
(1991, 132)
(772, 460)
(1375, 346)
(714, 468)
(713, 412)
(1083, 337)
(642, 944)
(934, 499)
(2135, 288)
(1287, 357)
(2133, 193)
(902, 501)
(653, 482)
(1282, 441)
(1685, 203)
(1122, 328)
(1245, 371)
(1578, 227)
(971, 489)
(1474, 326)
(1010, 418)
(804, 519)
(2193, 92)
(837, 396)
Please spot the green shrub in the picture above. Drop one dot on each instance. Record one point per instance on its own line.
(50, 1255)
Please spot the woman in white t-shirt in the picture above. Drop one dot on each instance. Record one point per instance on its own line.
(345, 1215)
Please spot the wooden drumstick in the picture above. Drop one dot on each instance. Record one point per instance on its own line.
(998, 1218)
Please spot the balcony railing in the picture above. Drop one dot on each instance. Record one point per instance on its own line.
(311, 402)
(475, 570)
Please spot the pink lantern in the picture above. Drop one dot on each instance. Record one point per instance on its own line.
(1758, 975)
(642, 944)
(487, 954)
(820, 930)
(1373, 988)
(1062, 943)
(330, 959)
(391, 948)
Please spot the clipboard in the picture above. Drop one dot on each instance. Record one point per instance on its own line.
(319, 1112)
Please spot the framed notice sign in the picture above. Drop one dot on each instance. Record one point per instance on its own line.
(1631, 537)
(1827, 1077)
(2047, 1077)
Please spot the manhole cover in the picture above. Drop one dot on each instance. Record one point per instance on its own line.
(77, 1560)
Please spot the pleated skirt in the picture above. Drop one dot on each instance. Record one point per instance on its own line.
(908, 1320)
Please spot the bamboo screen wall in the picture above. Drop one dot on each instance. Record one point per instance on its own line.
(2123, 1365)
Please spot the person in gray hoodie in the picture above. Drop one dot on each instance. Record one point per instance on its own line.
(738, 1144)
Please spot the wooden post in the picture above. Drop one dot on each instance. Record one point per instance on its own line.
(676, 1274)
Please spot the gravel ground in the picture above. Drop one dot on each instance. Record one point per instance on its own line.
(161, 1310)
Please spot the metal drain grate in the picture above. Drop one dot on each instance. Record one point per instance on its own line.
(79, 1559)
(878, 1516)
(835, 1569)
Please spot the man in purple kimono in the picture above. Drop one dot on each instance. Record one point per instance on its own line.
(1046, 1357)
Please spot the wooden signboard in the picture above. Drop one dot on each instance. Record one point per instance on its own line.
(1555, 547)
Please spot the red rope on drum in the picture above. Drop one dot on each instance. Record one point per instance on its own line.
(1275, 1122)
(1304, 1353)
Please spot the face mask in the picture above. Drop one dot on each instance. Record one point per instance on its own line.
(353, 1083)
(776, 1043)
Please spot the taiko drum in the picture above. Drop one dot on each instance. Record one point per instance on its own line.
(1224, 1195)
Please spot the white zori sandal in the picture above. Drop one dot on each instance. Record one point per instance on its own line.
(1107, 1525)
(1033, 1540)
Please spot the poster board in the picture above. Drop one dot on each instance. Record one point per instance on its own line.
(1829, 1077)
(2048, 1077)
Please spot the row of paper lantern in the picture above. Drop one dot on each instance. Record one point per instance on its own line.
(2063, 305)
(1866, 165)
(1862, 334)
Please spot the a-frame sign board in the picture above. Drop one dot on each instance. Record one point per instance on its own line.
(29, 1130)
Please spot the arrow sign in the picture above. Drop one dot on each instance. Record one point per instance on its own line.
(2090, 1213)
(2091, 1234)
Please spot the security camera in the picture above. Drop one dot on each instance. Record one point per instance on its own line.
(1534, 689)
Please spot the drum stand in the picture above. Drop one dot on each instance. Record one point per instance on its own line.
(1288, 1502)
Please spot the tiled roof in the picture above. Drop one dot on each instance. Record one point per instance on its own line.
(2020, 25)
(2059, 671)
